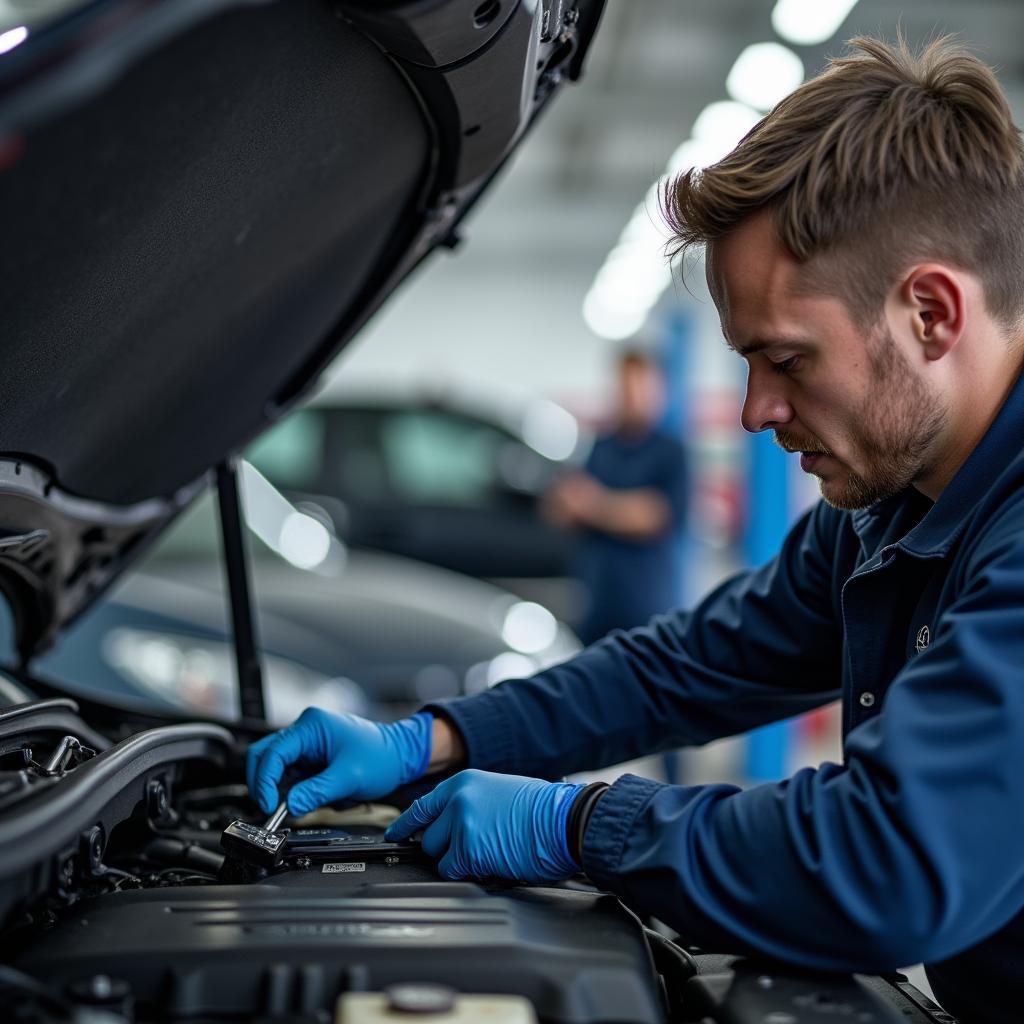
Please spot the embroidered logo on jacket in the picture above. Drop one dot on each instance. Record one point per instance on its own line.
(924, 638)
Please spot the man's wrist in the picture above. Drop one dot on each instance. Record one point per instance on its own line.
(579, 817)
(447, 748)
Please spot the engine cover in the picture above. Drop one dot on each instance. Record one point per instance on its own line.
(292, 943)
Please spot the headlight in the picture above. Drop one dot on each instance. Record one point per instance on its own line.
(200, 676)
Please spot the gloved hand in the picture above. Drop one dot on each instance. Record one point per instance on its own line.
(354, 757)
(482, 825)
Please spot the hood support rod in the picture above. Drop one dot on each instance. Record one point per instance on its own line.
(236, 567)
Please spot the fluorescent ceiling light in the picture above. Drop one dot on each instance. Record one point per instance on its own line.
(636, 271)
(717, 130)
(722, 124)
(810, 21)
(647, 225)
(633, 275)
(763, 74)
(608, 320)
(693, 154)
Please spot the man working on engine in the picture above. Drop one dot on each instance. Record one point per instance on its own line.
(865, 245)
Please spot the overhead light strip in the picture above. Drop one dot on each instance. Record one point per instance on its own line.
(808, 22)
(635, 272)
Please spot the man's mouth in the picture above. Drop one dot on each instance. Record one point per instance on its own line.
(810, 453)
(808, 460)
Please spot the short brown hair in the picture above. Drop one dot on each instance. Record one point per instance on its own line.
(888, 157)
(635, 358)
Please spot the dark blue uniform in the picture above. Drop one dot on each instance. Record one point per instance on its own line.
(630, 581)
(910, 850)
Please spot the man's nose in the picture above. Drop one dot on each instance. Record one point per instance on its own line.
(765, 406)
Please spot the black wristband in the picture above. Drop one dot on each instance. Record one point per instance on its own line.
(579, 817)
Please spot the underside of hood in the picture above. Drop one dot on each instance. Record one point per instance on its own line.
(202, 203)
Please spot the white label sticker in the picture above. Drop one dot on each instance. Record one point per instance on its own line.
(345, 866)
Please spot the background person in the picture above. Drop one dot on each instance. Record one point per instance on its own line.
(629, 505)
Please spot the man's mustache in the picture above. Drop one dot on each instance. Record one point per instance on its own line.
(792, 444)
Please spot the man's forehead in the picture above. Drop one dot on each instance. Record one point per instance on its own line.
(750, 277)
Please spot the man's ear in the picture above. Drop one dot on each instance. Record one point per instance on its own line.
(935, 298)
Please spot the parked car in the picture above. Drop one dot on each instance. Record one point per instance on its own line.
(356, 631)
(433, 480)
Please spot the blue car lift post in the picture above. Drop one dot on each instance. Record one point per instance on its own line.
(768, 516)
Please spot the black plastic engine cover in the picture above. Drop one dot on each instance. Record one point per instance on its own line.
(291, 944)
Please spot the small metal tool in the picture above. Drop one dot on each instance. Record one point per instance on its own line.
(273, 823)
(263, 847)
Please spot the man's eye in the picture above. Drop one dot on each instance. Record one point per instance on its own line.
(786, 365)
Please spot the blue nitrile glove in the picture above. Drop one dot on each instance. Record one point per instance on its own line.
(484, 825)
(353, 756)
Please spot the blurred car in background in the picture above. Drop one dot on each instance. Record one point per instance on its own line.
(435, 480)
(157, 644)
(358, 631)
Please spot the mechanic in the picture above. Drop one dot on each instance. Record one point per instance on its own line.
(629, 503)
(865, 244)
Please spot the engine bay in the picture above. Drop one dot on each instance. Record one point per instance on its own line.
(119, 904)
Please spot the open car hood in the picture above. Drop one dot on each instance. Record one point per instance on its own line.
(202, 202)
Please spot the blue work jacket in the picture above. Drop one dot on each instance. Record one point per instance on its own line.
(910, 850)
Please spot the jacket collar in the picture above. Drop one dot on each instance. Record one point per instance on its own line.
(937, 531)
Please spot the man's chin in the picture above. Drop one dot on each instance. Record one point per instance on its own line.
(851, 492)
(841, 498)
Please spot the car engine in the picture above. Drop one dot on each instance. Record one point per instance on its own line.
(119, 904)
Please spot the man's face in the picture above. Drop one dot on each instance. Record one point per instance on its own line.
(641, 395)
(864, 420)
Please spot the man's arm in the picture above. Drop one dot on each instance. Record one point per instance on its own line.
(765, 645)
(639, 513)
(447, 751)
(911, 851)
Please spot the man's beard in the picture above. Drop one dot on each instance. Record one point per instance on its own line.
(896, 427)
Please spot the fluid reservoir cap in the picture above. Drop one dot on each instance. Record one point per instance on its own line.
(420, 998)
(102, 991)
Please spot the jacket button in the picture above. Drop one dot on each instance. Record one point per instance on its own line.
(867, 699)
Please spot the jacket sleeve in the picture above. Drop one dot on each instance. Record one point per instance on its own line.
(763, 646)
(913, 851)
